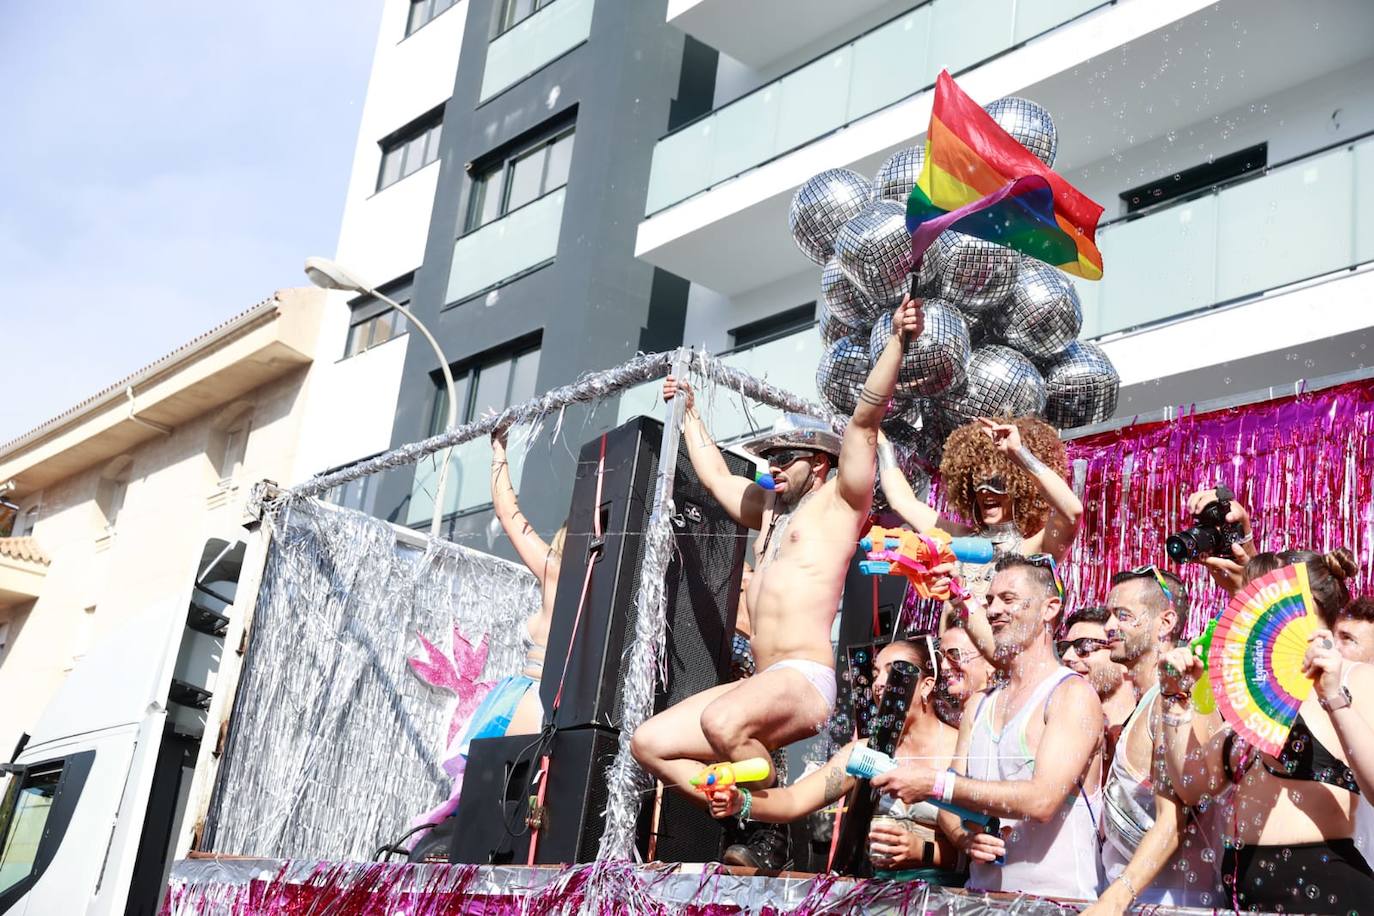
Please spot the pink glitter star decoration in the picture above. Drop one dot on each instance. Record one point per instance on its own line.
(458, 674)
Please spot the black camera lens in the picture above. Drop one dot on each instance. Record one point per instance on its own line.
(1180, 547)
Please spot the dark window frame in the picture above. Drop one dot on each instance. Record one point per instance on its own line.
(467, 371)
(366, 310)
(501, 163)
(424, 129)
(398, 325)
(774, 326)
(503, 21)
(75, 770)
(1189, 182)
(433, 9)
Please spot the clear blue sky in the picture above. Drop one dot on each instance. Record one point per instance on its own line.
(166, 165)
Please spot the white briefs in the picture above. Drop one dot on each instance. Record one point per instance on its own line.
(822, 677)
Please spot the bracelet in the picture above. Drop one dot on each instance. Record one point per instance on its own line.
(937, 791)
(1176, 721)
(748, 804)
(1176, 698)
(948, 795)
(1249, 538)
(1125, 879)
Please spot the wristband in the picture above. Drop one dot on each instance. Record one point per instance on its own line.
(748, 804)
(1176, 721)
(937, 791)
(948, 795)
(1130, 888)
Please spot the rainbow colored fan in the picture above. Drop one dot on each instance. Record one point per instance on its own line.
(1256, 656)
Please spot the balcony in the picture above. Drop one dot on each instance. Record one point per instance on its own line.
(469, 480)
(761, 32)
(533, 42)
(1291, 223)
(788, 362)
(722, 184)
(516, 243)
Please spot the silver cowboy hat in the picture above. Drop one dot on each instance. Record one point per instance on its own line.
(795, 430)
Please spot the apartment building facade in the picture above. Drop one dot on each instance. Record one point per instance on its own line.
(129, 497)
(1230, 143)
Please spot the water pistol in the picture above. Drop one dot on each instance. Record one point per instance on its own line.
(765, 480)
(720, 776)
(1201, 647)
(899, 552)
(865, 763)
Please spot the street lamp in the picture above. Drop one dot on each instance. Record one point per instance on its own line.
(325, 274)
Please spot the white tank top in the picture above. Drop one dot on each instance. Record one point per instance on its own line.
(1058, 858)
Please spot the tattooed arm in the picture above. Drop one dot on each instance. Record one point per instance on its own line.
(784, 804)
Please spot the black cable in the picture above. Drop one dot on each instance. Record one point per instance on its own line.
(395, 846)
(544, 737)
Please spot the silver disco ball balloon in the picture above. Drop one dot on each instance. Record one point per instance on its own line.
(975, 276)
(1044, 314)
(874, 251)
(1001, 383)
(842, 373)
(821, 206)
(911, 444)
(1029, 123)
(932, 364)
(830, 328)
(843, 299)
(1081, 386)
(898, 175)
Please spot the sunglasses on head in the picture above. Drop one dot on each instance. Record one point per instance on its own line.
(783, 457)
(1082, 646)
(1153, 572)
(1045, 561)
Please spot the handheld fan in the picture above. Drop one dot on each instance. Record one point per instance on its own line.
(1255, 660)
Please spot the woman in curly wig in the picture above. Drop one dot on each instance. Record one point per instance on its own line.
(1006, 483)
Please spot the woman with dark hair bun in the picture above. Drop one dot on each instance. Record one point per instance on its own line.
(1290, 832)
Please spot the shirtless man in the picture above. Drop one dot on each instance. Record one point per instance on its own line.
(809, 523)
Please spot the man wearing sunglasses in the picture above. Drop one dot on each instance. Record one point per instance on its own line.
(809, 523)
(1148, 853)
(1029, 753)
(1086, 650)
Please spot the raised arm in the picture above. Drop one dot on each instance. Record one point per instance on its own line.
(1066, 511)
(1350, 689)
(784, 804)
(743, 500)
(1192, 744)
(1072, 736)
(903, 499)
(860, 445)
(533, 550)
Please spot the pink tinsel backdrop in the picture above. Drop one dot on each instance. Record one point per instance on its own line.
(1302, 465)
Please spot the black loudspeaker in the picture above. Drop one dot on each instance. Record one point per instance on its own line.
(497, 786)
(868, 611)
(702, 582)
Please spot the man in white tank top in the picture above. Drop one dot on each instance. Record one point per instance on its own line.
(1030, 755)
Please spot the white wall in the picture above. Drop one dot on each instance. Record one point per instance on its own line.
(711, 316)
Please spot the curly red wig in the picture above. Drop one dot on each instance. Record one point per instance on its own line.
(970, 457)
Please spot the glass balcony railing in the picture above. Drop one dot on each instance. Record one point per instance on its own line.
(521, 239)
(532, 43)
(893, 61)
(469, 479)
(1297, 220)
(788, 362)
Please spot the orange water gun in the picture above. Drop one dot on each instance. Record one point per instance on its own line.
(721, 776)
(899, 552)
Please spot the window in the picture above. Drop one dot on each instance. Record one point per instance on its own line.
(514, 11)
(228, 445)
(24, 809)
(360, 494)
(369, 332)
(530, 172)
(422, 11)
(411, 148)
(112, 487)
(489, 383)
(1220, 170)
(779, 325)
(28, 519)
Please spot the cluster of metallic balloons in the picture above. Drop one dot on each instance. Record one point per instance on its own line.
(1001, 331)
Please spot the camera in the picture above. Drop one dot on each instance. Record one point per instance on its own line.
(1210, 535)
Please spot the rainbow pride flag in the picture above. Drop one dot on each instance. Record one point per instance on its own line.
(978, 180)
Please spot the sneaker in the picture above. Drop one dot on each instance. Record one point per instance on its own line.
(765, 847)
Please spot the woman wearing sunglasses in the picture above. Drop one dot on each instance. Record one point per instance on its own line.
(903, 842)
(1289, 842)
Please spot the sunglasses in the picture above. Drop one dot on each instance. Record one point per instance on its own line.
(993, 485)
(784, 457)
(1045, 561)
(1153, 572)
(958, 656)
(1083, 646)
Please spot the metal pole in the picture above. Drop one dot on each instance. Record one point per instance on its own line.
(437, 521)
(672, 434)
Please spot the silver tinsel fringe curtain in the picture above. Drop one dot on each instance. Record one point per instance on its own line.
(335, 744)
